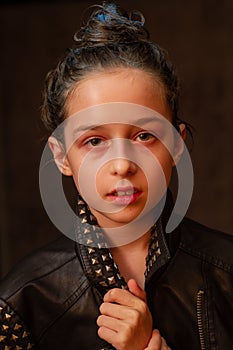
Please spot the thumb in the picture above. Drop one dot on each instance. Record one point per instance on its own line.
(136, 290)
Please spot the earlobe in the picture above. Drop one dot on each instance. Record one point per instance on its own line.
(179, 144)
(59, 156)
(182, 128)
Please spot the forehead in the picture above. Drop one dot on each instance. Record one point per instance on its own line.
(119, 85)
(115, 116)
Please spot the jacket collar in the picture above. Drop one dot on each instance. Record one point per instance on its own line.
(96, 258)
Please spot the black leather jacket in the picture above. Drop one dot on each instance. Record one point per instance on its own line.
(51, 300)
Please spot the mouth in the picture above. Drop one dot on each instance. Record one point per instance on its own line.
(124, 195)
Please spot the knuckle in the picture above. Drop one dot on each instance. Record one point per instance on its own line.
(100, 320)
(135, 316)
(101, 308)
(122, 342)
(143, 308)
(128, 330)
(104, 308)
(100, 332)
(111, 294)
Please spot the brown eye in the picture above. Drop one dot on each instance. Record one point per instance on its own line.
(94, 142)
(145, 136)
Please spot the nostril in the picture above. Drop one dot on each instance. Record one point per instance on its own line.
(123, 167)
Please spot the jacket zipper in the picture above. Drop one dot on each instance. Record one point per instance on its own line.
(200, 300)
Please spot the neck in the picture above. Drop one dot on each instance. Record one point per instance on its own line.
(131, 258)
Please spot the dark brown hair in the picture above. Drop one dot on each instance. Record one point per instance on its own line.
(110, 38)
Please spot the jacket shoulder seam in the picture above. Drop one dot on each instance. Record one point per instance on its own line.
(39, 277)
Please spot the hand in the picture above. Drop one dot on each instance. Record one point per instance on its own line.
(125, 320)
(157, 342)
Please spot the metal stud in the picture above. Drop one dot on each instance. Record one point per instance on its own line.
(29, 346)
(111, 280)
(155, 245)
(89, 241)
(84, 220)
(124, 287)
(108, 268)
(99, 235)
(94, 261)
(5, 327)
(14, 337)
(7, 316)
(2, 337)
(105, 257)
(86, 230)
(101, 245)
(82, 211)
(103, 284)
(25, 334)
(18, 347)
(80, 202)
(99, 273)
(17, 327)
(7, 347)
(91, 250)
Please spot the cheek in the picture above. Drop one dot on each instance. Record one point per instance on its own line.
(75, 160)
(166, 162)
(101, 182)
(167, 169)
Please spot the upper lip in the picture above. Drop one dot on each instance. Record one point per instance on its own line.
(129, 189)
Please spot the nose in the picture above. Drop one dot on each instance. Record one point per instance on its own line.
(122, 167)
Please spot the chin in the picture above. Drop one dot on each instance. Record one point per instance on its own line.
(116, 220)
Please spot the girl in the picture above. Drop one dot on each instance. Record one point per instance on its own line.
(124, 283)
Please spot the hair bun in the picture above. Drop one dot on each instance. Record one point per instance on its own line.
(109, 24)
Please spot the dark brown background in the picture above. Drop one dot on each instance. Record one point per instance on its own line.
(198, 34)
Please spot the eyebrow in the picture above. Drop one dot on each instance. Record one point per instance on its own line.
(138, 122)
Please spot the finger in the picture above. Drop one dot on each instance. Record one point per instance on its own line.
(155, 342)
(164, 345)
(117, 311)
(107, 334)
(110, 323)
(122, 297)
(136, 290)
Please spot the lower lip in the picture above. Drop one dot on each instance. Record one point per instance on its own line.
(125, 200)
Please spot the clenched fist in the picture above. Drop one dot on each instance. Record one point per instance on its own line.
(125, 320)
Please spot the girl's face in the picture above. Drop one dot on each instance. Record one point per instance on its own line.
(121, 85)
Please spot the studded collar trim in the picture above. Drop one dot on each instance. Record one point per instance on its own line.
(96, 258)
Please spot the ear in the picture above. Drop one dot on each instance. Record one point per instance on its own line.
(59, 156)
(179, 144)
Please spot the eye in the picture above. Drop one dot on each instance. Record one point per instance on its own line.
(145, 137)
(94, 141)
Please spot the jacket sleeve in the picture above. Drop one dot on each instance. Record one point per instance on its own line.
(13, 332)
